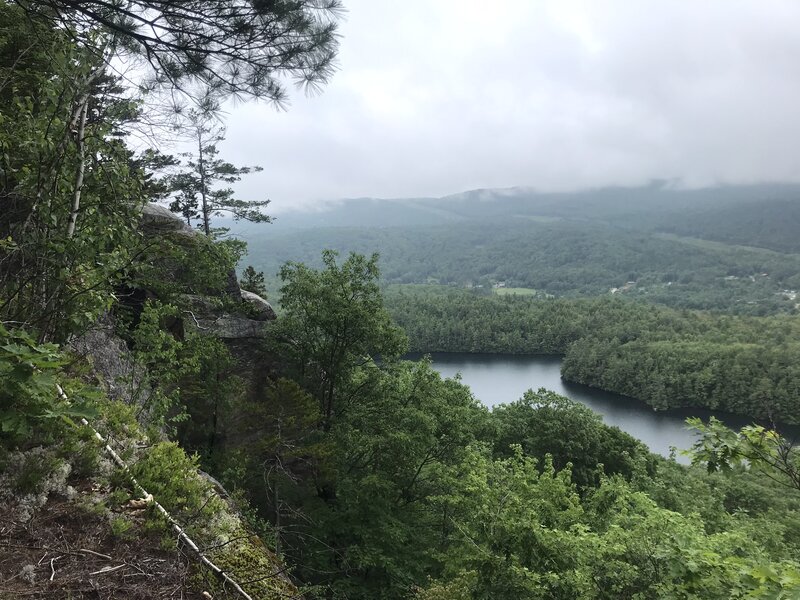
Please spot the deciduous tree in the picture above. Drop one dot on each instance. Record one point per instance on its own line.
(335, 323)
(754, 446)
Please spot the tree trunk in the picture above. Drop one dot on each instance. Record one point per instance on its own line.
(202, 168)
(79, 173)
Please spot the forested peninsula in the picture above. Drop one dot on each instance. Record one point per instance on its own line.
(664, 357)
(166, 432)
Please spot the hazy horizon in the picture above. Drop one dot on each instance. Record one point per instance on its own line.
(433, 98)
(493, 193)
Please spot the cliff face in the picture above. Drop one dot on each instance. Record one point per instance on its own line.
(237, 317)
(108, 542)
(76, 525)
(159, 223)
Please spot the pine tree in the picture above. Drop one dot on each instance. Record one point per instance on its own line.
(253, 281)
(196, 195)
(207, 48)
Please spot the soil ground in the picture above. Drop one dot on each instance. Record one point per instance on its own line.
(69, 551)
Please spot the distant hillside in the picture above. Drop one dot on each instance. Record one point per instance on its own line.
(640, 207)
(568, 244)
(560, 258)
(773, 224)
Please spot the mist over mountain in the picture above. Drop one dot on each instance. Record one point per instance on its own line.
(736, 248)
(651, 207)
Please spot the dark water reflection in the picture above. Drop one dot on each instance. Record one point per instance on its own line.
(497, 379)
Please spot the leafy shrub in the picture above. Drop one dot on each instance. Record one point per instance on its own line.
(171, 476)
(121, 527)
(28, 397)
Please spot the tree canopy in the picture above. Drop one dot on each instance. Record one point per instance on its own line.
(214, 47)
(334, 323)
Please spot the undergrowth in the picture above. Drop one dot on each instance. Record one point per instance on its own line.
(44, 449)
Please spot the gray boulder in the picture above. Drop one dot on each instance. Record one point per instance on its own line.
(232, 327)
(203, 315)
(262, 308)
(157, 218)
(112, 362)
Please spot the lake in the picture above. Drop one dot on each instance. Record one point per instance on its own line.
(497, 379)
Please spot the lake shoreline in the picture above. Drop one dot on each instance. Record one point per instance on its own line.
(414, 356)
(502, 378)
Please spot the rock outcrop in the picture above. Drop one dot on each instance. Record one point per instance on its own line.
(218, 316)
(112, 362)
(158, 219)
(261, 309)
(238, 317)
(207, 316)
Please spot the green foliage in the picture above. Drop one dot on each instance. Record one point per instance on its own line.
(519, 533)
(333, 324)
(179, 264)
(117, 419)
(121, 527)
(544, 423)
(275, 449)
(168, 473)
(71, 194)
(253, 281)
(253, 563)
(389, 457)
(754, 446)
(508, 526)
(209, 392)
(285, 419)
(189, 379)
(159, 353)
(29, 400)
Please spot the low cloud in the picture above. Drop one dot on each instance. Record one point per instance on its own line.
(437, 97)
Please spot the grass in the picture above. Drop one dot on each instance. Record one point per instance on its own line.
(515, 291)
(724, 246)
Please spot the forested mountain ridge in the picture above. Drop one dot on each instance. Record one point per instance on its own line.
(561, 258)
(569, 244)
(774, 224)
(641, 208)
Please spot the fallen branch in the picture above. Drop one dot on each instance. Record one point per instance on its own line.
(176, 527)
(87, 551)
(196, 322)
(53, 567)
(105, 570)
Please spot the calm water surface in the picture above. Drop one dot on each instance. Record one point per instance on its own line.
(497, 379)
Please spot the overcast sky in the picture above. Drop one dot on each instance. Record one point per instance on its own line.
(434, 97)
